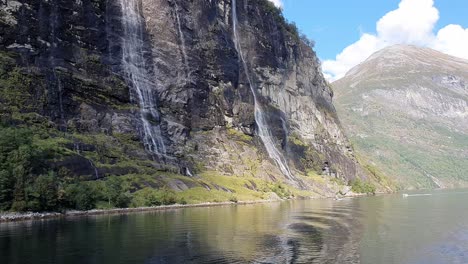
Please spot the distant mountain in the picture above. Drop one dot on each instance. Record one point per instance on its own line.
(406, 110)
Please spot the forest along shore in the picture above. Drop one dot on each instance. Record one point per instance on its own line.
(25, 216)
(22, 216)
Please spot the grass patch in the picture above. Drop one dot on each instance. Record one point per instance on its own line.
(238, 135)
(203, 195)
(153, 197)
(315, 177)
(296, 140)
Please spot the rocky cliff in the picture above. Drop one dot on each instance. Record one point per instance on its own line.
(196, 96)
(406, 108)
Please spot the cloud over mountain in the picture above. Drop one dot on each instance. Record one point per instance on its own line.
(412, 22)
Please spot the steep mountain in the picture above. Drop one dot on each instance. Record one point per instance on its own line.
(212, 100)
(406, 110)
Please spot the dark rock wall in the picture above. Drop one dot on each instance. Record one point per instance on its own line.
(73, 48)
(66, 44)
(204, 86)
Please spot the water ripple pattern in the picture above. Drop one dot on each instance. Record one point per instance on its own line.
(386, 229)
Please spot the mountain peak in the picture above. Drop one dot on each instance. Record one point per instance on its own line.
(406, 107)
(398, 49)
(405, 58)
(405, 52)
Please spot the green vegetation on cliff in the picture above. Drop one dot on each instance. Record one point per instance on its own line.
(359, 186)
(26, 183)
(70, 127)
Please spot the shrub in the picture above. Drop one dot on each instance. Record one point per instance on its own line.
(233, 199)
(167, 196)
(116, 192)
(359, 186)
(238, 135)
(182, 201)
(14, 91)
(151, 197)
(154, 197)
(81, 196)
(281, 190)
(309, 42)
(20, 165)
(43, 194)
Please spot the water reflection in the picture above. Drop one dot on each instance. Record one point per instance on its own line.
(290, 232)
(386, 229)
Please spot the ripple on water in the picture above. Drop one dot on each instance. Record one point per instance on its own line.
(386, 229)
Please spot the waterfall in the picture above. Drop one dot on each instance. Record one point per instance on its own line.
(96, 172)
(58, 82)
(53, 24)
(76, 148)
(263, 131)
(188, 172)
(181, 36)
(135, 68)
(436, 181)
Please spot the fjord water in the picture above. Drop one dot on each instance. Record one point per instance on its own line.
(383, 229)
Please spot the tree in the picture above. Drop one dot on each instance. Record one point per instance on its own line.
(43, 195)
(16, 155)
(116, 192)
(81, 196)
(6, 190)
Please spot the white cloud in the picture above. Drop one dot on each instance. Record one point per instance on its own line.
(453, 40)
(278, 3)
(412, 23)
(352, 56)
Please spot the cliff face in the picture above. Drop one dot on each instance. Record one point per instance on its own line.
(166, 88)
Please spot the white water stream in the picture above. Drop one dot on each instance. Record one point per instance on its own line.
(135, 67)
(263, 130)
(181, 37)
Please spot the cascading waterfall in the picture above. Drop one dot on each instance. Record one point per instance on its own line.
(76, 148)
(188, 172)
(60, 97)
(135, 67)
(263, 131)
(96, 172)
(181, 36)
(53, 24)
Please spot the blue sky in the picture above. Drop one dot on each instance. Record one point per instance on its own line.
(336, 25)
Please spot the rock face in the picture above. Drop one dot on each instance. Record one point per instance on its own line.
(88, 61)
(407, 109)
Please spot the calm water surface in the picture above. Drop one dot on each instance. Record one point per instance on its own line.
(384, 229)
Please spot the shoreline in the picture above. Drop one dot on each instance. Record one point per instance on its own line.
(27, 216)
(7, 217)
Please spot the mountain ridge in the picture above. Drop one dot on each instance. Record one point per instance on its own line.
(407, 107)
(400, 51)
